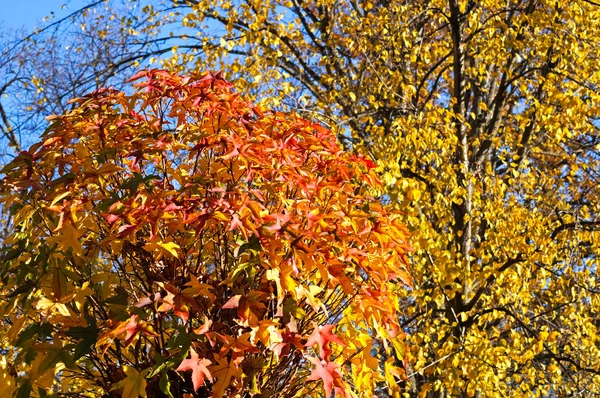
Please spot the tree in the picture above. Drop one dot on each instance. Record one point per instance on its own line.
(482, 118)
(178, 241)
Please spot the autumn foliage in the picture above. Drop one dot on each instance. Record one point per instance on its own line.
(176, 241)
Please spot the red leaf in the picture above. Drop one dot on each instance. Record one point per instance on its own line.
(235, 223)
(144, 301)
(233, 302)
(125, 230)
(280, 221)
(322, 336)
(198, 367)
(183, 314)
(327, 373)
(138, 75)
(171, 207)
(131, 328)
(111, 218)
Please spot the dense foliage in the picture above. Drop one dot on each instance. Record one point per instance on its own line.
(176, 241)
(482, 118)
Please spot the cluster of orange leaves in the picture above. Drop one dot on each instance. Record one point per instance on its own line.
(204, 235)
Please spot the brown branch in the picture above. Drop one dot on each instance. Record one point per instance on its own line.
(491, 279)
(56, 23)
(585, 225)
(8, 131)
(592, 3)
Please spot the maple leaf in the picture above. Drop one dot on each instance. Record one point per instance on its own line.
(163, 247)
(126, 230)
(235, 222)
(49, 307)
(283, 343)
(134, 385)
(112, 218)
(179, 301)
(322, 336)
(147, 300)
(240, 346)
(194, 288)
(280, 221)
(198, 367)
(262, 331)
(233, 302)
(244, 304)
(205, 330)
(224, 371)
(328, 373)
(131, 328)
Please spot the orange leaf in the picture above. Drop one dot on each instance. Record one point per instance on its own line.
(198, 367)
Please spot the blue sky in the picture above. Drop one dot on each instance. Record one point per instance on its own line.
(28, 14)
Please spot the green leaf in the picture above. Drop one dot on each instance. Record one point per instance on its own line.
(24, 390)
(252, 244)
(88, 337)
(134, 182)
(105, 204)
(65, 179)
(290, 307)
(43, 330)
(181, 340)
(165, 385)
(120, 298)
(105, 154)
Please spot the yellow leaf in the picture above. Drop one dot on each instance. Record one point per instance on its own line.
(164, 247)
(49, 307)
(134, 385)
(171, 247)
(224, 371)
